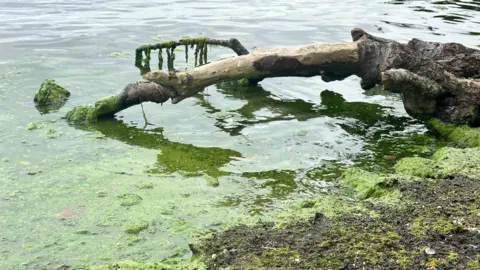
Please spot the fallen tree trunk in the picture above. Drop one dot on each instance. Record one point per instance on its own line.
(435, 80)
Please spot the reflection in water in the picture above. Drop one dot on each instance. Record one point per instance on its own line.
(384, 133)
(451, 12)
(174, 157)
(331, 104)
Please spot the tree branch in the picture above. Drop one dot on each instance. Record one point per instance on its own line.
(305, 61)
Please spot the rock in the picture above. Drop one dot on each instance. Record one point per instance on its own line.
(50, 92)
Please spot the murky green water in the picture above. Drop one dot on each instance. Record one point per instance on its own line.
(67, 194)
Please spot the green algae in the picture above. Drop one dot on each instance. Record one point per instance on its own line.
(175, 157)
(132, 265)
(89, 114)
(474, 264)
(212, 181)
(200, 44)
(50, 92)
(52, 133)
(416, 166)
(147, 185)
(371, 185)
(188, 158)
(32, 126)
(119, 54)
(82, 114)
(445, 162)
(453, 161)
(129, 199)
(422, 225)
(107, 105)
(463, 135)
(282, 182)
(136, 228)
(332, 206)
(390, 239)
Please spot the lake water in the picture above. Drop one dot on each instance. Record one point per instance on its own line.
(69, 194)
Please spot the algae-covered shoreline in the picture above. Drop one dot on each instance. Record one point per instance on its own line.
(425, 215)
(397, 221)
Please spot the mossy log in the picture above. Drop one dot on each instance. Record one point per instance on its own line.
(440, 81)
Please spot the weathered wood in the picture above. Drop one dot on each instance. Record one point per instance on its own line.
(436, 80)
(305, 61)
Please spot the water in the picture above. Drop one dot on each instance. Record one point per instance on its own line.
(62, 186)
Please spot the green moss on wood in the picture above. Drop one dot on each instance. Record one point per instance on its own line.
(108, 105)
(82, 114)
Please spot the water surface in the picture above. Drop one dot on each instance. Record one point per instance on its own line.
(63, 188)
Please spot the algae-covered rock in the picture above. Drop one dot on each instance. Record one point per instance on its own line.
(82, 114)
(50, 92)
(453, 161)
(129, 199)
(136, 228)
(416, 166)
(445, 162)
(463, 135)
(368, 184)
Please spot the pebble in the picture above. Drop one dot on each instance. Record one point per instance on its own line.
(430, 251)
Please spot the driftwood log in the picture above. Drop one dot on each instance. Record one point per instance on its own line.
(440, 81)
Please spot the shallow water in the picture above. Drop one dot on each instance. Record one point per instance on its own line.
(61, 186)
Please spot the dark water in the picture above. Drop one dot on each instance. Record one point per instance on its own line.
(61, 186)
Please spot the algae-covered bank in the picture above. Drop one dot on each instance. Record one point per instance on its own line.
(425, 216)
(291, 173)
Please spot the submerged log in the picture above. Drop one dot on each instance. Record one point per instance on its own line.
(435, 80)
